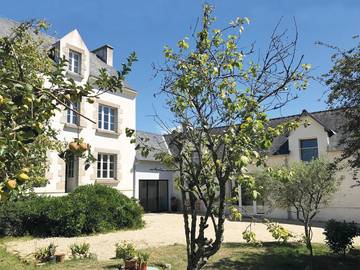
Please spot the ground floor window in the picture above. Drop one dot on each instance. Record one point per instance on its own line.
(106, 166)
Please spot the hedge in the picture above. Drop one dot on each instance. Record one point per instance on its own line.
(89, 209)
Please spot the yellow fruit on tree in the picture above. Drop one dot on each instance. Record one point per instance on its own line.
(23, 177)
(11, 184)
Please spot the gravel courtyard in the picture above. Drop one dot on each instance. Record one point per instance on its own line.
(160, 229)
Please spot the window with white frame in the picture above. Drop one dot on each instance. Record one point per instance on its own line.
(106, 118)
(106, 166)
(75, 61)
(309, 149)
(72, 117)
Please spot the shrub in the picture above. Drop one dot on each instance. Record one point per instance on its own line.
(44, 254)
(107, 209)
(80, 251)
(125, 251)
(89, 209)
(339, 236)
(278, 232)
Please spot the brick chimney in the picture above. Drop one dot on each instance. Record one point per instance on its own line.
(105, 53)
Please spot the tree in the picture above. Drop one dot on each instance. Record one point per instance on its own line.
(344, 87)
(219, 103)
(33, 87)
(305, 187)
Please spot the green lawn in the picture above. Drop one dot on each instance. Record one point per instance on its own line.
(231, 256)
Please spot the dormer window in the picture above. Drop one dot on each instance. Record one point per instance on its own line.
(309, 149)
(75, 61)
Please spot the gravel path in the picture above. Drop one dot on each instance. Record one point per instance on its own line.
(160, 230)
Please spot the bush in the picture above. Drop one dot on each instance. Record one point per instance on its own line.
(339, 235)
(106, 209)
(89, 209)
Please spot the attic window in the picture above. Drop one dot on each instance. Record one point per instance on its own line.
(309, 149)
(74, 61)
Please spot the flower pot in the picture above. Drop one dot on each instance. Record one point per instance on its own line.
(74, 146)
(60, 258)
(52, 259)
(83, 147)
(142, 266)
(174, 204)
(130, 264)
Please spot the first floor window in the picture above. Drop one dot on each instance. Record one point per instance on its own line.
(106, 166)
(308, 149)
(73, 117)
(106, 118)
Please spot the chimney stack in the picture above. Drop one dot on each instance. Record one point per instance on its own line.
(105, 53)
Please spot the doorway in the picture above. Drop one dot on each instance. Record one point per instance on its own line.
(72, 173)
(154, 195)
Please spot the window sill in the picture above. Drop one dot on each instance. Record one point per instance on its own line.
(107, 133)
(72, 127)
(75, 76)
(108, 182)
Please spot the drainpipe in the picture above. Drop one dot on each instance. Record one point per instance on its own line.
(134, 179)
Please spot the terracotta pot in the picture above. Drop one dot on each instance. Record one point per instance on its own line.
(130, 264)
(60, 258)
(83, 146)
(142, 266)
(74, 146)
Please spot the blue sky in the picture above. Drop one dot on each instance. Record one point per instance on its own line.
(146, 26)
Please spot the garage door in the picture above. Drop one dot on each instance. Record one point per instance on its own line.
(153, 195)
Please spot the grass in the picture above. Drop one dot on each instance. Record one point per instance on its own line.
(270, 256)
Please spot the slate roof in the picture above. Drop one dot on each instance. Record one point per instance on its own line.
(155, 141)
(6, 26)
(331, 120)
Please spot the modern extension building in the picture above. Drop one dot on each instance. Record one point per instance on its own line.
(321, 136)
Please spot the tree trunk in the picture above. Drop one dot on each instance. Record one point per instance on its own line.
(308, 237)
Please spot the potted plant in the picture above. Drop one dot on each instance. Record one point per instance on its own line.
(174, 204)
(60, 257)
(143, 259)
(78, 146)
(126, 251)
(46, 254)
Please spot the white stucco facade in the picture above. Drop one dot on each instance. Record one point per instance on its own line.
(110, 142)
